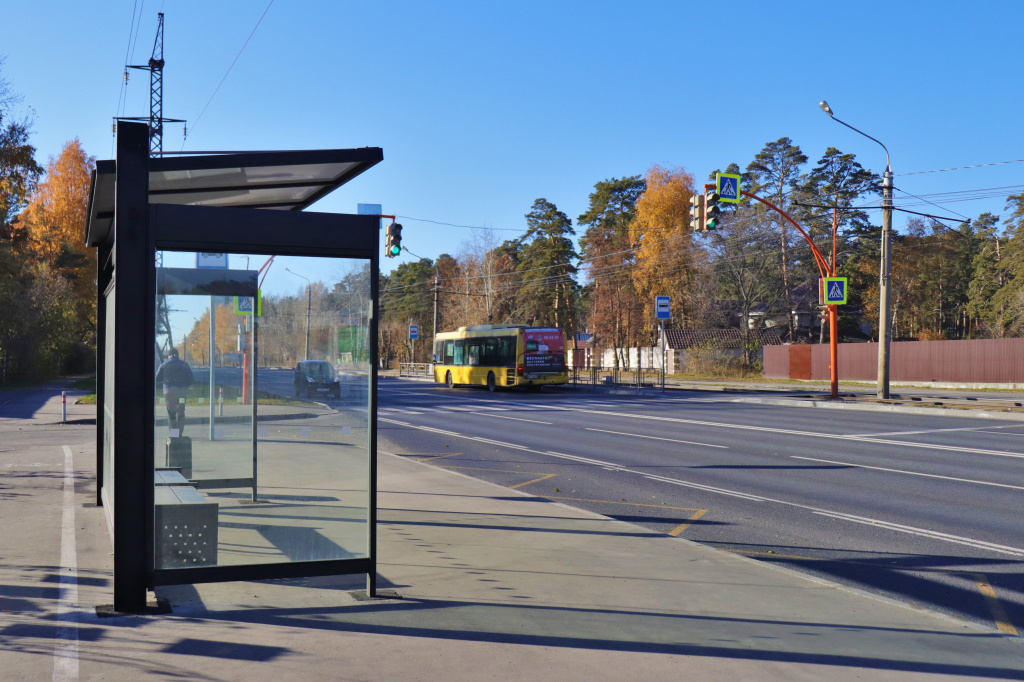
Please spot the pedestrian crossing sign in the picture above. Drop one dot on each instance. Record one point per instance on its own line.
(835, 290)
(728, 187)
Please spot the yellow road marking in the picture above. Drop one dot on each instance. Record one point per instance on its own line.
(683, 526)
(427, 459)
(631, 504)
(780, 556)
(994, 605)
(542, 478)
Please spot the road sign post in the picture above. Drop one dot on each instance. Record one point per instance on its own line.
(663, 311)
(414, 332)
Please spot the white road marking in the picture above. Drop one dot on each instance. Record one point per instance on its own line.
(671, 440)
(963, 428)
(912, 473)
(877, 523)
(65, 651)
(935, 535)
(501, 416)
(794, 432)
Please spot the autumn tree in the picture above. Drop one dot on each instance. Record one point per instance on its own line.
(54, 222)
(667, 261)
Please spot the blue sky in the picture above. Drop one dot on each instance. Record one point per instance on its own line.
(483, 107)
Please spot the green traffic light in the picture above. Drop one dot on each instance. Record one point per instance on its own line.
(394, 250)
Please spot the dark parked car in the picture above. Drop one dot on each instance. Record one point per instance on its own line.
(316, 377)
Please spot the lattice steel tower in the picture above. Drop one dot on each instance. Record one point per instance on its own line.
(155, 67)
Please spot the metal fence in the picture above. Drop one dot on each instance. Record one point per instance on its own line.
(416, 369)
(982, 361)
(636, 377)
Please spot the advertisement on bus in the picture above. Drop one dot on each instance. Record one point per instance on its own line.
(544, 350)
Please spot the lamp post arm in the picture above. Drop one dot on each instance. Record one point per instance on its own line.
(887, 164)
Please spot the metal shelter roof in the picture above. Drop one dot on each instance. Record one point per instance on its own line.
(281, 180)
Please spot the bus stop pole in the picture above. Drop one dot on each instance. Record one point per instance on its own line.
(213, 360)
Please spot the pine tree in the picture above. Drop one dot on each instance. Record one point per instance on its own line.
(549, 288)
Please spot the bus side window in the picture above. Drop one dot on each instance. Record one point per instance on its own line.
(507, 352)
(473, 353)
(449, 352)
(460, 346)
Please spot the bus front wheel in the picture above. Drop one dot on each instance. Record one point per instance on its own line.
(492, 385)
(448, 380)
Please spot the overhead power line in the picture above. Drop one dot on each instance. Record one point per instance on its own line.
(472, 227)
(217, 89)
(977, 165)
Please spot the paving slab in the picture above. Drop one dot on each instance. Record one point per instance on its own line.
(494, 584)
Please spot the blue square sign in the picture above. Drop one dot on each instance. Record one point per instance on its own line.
(662, 308)
(835, 290)
(728, 187)
(414, 331)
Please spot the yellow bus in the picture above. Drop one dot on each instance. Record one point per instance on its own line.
(501, 356)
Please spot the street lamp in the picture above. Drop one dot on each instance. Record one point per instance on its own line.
(884, 275)
(309, 305)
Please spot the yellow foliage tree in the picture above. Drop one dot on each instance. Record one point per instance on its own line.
(55, 219)
(54, 224)
(666, 264)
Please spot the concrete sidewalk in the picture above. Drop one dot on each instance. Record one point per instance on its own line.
(495, 584)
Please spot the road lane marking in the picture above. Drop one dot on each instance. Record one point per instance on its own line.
(794, 432)
(710, 488)
(672, 440)
(675, 532)
(518, 419)
(536, 480)
(912, 473)
(934, 535)
(923, 532)
(962, 428)
(65, 652)
(998, 613)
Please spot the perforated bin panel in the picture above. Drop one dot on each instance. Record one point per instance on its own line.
(186, 528)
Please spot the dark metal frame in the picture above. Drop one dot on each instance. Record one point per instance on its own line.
(141, 229)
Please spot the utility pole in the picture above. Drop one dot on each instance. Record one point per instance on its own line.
(884, 270)
(885, 288)
(437, 291)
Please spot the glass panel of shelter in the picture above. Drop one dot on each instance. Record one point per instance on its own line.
(262, 421)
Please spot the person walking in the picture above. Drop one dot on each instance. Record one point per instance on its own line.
(176, 376)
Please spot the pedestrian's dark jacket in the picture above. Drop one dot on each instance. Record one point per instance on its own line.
(174, 373)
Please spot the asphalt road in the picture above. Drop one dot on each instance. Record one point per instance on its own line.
(925, 510)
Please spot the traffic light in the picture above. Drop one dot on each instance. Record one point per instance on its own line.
(387, 240)
(696, 204)
(395, 243)
(712, 211)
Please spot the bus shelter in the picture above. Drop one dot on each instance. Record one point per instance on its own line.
(236, 366)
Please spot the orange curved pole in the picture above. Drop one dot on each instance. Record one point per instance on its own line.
(823, 266)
